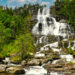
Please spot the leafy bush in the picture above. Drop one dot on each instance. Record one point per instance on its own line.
(15, 31)
(65, 9)
(70, 51)
(21, 47)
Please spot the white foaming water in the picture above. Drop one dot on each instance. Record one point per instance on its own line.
(36, 70)
(56, 73)
(40, 40)
(52, 45)
(68, 57)
(47, 25)
(69, 44)
(7, 59)
(73, 47)
(65, 39)
(55, 61)
(38, 54)
(56, 50)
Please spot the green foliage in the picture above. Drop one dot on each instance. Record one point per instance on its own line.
(70, 51)
(5, 33)
(15, 31)
(21, 47)
(25, 44)
(66, 9)
(27, 22)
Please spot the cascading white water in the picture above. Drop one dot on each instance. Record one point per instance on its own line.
(47, 25)
(7, 59)
(73, 46)
(36, 70)
(69, 44)
(68, 57)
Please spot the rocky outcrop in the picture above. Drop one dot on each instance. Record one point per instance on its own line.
(66, 68)
(12, 69)
(62, 21)
(15, 70)
(33, 62)
(2, 68)
(23, 63)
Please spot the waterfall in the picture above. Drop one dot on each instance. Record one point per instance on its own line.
(47, 25)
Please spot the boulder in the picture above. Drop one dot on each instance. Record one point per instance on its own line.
(15, 70)
(62, 21)
(21, 71)
(61, 61)
(53, 66)
(2, 68)
(23, 63)
(33, 62)
(5, 62)
(58, 69)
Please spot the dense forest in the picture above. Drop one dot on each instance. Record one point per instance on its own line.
(65, 9)
(16, 24)
(15, 31)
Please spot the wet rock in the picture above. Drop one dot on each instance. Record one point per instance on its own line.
(5, 62)
(67, 73)
(2, 68)
(14, 62)
(62, 21)
(33, 62)
(15, 70)
(61, 61)
(49, 66)
(23, 63)
(20, 71)
(42, 61)
(67, 68)
(58, 69)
